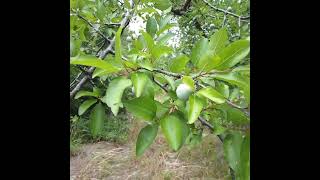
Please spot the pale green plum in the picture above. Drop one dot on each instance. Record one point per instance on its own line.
(183, 91)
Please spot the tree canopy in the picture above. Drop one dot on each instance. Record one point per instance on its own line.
(194, 54)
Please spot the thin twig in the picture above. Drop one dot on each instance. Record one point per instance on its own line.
(112, 24)
(225, 11)
(239, 24)
(244, 110)
(207, 124)
(163, 72)
(224, 19)
(75, 79)
(159, 84)
(94, 28)
(104, 43)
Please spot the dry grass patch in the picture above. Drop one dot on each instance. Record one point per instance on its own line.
(105, 160)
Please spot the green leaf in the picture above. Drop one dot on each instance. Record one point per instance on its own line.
(127, 4)
(160, 78)
(245, 68)
(199, 50)
(223, 89)
(218, 128)
(235, 93)
(195, 106)
(178, 64)
(116, 19)
(236, 116)
(206, 61)
(97, 90)
(236, 79)
(218, 40)
(114, 93)
(75, 47)
(232, 146)
(82, 33)
(143, 107)
(101, 10)
(85, 93)
(139, 43)
(73, 4)
(188, 81)
(164, 21)
(159, 50)
(181, 106)
(162, 109)
(166, 27)
(161, 40)
(162, 4)
(118, 54)
(97, 117)
(130, 64)
(94, 62)
(139, 81)
(152, 26)
(149, 41)
(244, 168)
(99, 73)
(208, 81)
(86, 105)
(145, 138)
(171, 82)
(149, 89)
(175, 130)
(148, 10)
(146, 65)
(211, 94)
(233, 54)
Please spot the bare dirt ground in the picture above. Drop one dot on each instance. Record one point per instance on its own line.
(104, 160)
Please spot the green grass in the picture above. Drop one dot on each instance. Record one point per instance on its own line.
(115, 130)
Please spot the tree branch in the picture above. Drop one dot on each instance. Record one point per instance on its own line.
(225, 11)
(86, 73)
(159, 84)
(112, 24)
(75, 79)
(123, 25)
(244, 110)
(104, 53)
(183, 10)
(163, 72)
(95, 29)
(204, 122)
(247, 113)
(81, 83)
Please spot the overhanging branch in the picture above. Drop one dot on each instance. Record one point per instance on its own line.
(103, 53)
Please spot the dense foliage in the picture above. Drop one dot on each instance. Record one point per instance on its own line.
(188, 68)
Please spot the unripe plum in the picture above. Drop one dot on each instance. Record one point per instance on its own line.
(183, 91)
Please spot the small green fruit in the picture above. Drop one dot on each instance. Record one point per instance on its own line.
(183, 91)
